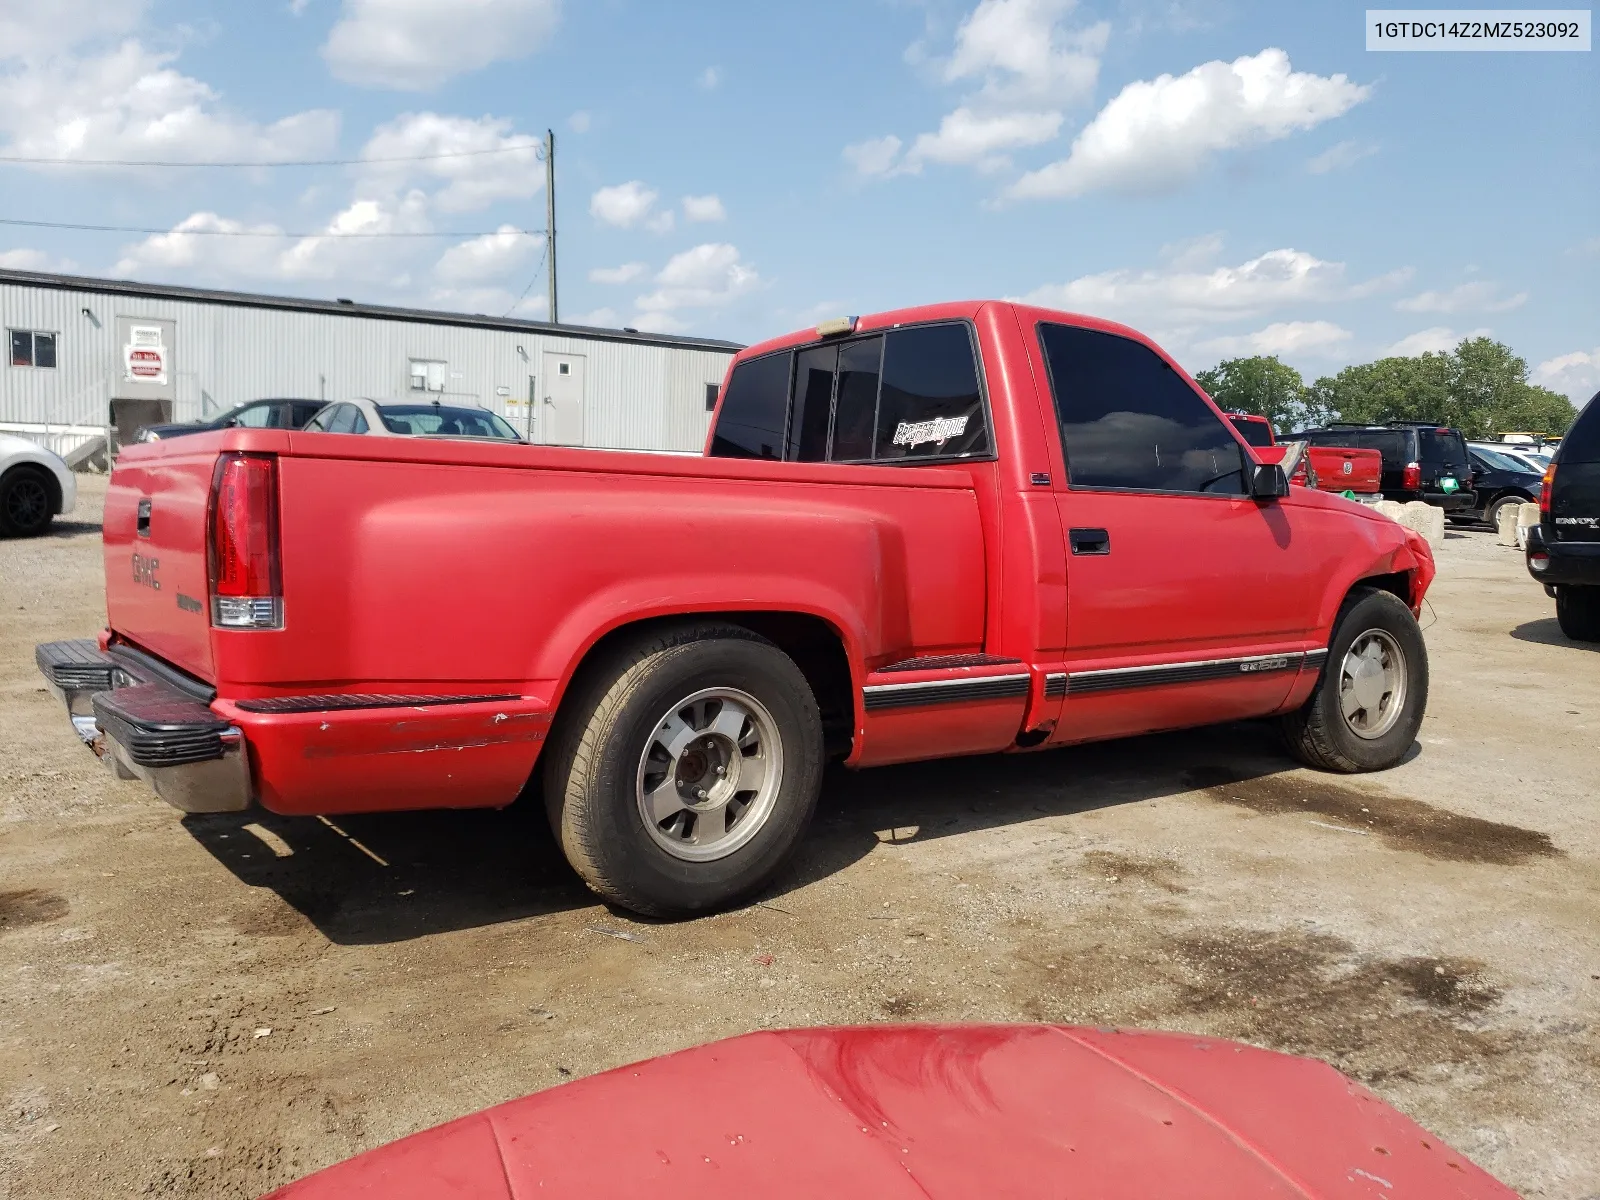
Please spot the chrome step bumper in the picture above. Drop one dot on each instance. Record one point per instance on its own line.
(146, 727)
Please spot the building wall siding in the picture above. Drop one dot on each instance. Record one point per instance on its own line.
(637, 395)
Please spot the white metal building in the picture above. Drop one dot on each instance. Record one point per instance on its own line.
(86, 355)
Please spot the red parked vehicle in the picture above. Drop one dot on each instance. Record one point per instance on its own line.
(1330, 468)
(957, 529)
(959, 1111)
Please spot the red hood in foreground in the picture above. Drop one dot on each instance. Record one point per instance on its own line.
(885, 1112)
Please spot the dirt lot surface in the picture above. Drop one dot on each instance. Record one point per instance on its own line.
(213, 1007)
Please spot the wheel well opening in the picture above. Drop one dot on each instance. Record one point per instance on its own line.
(813, 644)
(1397, 582)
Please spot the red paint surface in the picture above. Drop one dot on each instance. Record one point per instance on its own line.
(456, 568)
(931, 1111)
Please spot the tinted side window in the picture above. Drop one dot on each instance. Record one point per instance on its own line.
(343, 419)
(930, 403)
(1254, 432)
(855, 410)
(1129, 421)
(1582, 443)
(257, 416)
(754, 411)
(358, 421)
(304, 413)
(813, 403)
(1393, 444)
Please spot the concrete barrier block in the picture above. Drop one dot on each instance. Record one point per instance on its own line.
(1506, 534)
(1527, 518)
(1426, 520)
(1392, 509)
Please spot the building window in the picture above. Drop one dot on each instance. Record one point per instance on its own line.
(32, 348)
(564, 369)
(427, 375)
(711, 397)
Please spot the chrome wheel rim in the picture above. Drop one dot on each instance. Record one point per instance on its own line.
(709, 775)
(1372, 684)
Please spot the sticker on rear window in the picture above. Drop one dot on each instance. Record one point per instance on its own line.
(940, 429)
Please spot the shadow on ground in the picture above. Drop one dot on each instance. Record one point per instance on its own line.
(1547, 632)
(394, 876)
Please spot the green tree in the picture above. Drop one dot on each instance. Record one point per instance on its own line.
(1261, 385)
(1391, 389)
(1490, 393)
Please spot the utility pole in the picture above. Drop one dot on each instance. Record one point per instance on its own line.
(550, 217)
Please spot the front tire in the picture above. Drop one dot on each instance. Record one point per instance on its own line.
(26, 503)
(1578, 612)
(1369, 702)
(684, 768)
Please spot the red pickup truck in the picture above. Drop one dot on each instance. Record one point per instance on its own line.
(1331, 468)
(948, 530)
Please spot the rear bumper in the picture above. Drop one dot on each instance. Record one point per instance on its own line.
(146, 728)
(1575, 563)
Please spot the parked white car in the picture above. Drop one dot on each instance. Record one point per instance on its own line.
(1519, 452)
(36, 487)
(396, 418)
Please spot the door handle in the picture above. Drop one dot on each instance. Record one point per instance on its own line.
(1090, 541)
(142, 518)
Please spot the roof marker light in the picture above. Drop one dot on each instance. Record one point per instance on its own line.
(836, 327)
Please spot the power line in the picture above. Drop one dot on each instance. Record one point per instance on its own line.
(531, 282)
(438, 233)
(282, 162)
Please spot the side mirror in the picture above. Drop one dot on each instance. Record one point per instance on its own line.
(1268, 482)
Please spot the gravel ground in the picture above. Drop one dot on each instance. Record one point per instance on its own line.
(215, 1006)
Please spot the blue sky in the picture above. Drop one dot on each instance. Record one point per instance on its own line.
(1232, 177)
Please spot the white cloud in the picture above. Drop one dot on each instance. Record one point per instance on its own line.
(710, 78)
(129, 103)
(1283, 338)
(1023, 55)
(1270, 281)
(296, 7)
(704, 208)
(1479, 296)
(267, 253)
(1156, 134)
(488, 301)
(487, 257)
(661, 222)
(31, 29)
(626, 273)
(969, 139)
(659, 322)
(600, 318)
(1577, 375)
(472, 179)
(1437, 340)
(1193, 253)
(875, 156)
(580, 121)
(1338, 157)
(705, 276)
(414, 45)
(23, 259)
(623, 205)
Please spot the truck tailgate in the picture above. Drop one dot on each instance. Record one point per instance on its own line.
(157, 595)
(1341, 469)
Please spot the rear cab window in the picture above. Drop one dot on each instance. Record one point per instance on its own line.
(1442, 448)
(906, 395)
(1256, 433)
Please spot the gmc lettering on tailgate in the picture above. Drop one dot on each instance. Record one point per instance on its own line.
(144, 571)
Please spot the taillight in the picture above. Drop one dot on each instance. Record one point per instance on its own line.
(1544, 492)
(246, 584)
(1411, 479)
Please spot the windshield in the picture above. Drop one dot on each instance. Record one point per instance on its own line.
(1256, 433)
(1501, 462)
(436, 420)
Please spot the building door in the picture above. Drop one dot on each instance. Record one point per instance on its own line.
(562, 410)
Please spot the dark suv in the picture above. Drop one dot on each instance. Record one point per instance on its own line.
(1564, 548)
(1421, 461)
(257, 414)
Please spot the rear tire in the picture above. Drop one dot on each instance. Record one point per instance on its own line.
(1493, 515)
(27, 502)
(684, 769)
(1369, 702)
(1578, 612)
